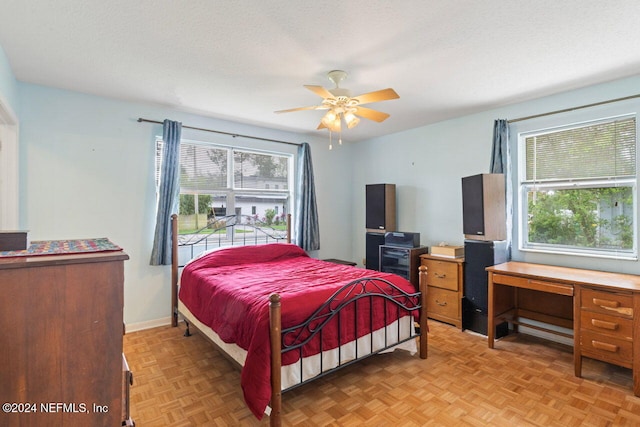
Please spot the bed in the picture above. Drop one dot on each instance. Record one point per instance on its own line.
(287, 318)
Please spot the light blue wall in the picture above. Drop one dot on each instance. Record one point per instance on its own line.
(8, 84)
(427, 165)
(87, 170)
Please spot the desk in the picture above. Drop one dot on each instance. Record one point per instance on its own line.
(601, 309)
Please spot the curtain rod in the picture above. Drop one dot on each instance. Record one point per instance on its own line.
(519, 119)
(234, 135)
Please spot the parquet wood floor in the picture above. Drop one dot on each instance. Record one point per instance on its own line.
(525, 381)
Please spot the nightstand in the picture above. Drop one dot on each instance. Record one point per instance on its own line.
(444, 296)
(340, 261)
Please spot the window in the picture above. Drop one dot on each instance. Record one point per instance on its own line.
(217, 180)
(578, 188)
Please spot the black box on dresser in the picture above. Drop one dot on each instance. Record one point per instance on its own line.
(14, 240)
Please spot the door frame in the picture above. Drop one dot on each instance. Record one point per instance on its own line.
(9, 167)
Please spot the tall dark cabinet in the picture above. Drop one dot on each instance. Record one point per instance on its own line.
(478, 255)
(380, 217)
(484, 219)
(373, 241)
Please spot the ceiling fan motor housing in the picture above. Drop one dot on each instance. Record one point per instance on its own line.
(338, 92)
(336, 76)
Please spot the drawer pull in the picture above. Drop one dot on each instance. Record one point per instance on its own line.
(605, 303)
(604, 325)
(604, 346)
(613, 306)
(440, 276)
(441, 304)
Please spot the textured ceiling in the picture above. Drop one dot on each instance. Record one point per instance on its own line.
(243, 60)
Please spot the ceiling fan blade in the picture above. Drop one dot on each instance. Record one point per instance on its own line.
(315, 107)
(320, 91)
(377, 96)
(368, 113)
(321, 126)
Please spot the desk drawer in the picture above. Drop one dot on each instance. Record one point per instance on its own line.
(615, 326)
(443, 302)
(612, 303)
(441, 274)
(605, 348)
(534, 284)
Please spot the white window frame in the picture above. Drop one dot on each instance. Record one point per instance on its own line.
(231, 191)
(523, 186)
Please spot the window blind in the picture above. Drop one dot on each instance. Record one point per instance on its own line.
(202, 168)
(255, 171)
(602, 150)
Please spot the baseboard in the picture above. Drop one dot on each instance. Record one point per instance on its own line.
(546, 335)
(140, 326)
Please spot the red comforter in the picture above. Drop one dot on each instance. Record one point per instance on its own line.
(228, 290)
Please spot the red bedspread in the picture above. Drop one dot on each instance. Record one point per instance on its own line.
(228, 290)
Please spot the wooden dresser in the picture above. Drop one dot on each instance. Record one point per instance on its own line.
(444, 295)
(61, 361)
(601, 310)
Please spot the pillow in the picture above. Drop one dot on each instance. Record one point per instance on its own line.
(235, 255)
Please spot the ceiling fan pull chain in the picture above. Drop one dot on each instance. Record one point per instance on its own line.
(330, 146)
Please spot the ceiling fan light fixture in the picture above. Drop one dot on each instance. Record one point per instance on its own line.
(329, 118)
(351, 120)
(332, 121)
(336, 124)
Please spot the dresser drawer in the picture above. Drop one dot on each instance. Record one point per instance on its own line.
(441, 274)
(443, 302)
(612, 303)
(615, 326)
(605, 348)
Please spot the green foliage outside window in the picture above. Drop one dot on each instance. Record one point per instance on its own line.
(269, 215)
(598, 218)
(187, 204)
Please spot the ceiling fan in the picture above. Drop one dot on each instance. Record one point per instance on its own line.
(342, 106)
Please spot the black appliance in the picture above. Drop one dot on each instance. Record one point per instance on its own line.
(478, 255)
(402, 239)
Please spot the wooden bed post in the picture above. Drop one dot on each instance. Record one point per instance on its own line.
(288, 228)
(423, 311)
(174, 270)
(275, 330)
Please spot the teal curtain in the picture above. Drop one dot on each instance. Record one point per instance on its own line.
(500, 152)
(501, 163)
(168, 192)
(307, 230)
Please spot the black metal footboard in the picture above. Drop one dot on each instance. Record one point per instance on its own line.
(377, 297)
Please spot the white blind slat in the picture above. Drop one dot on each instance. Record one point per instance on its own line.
(600, 150)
